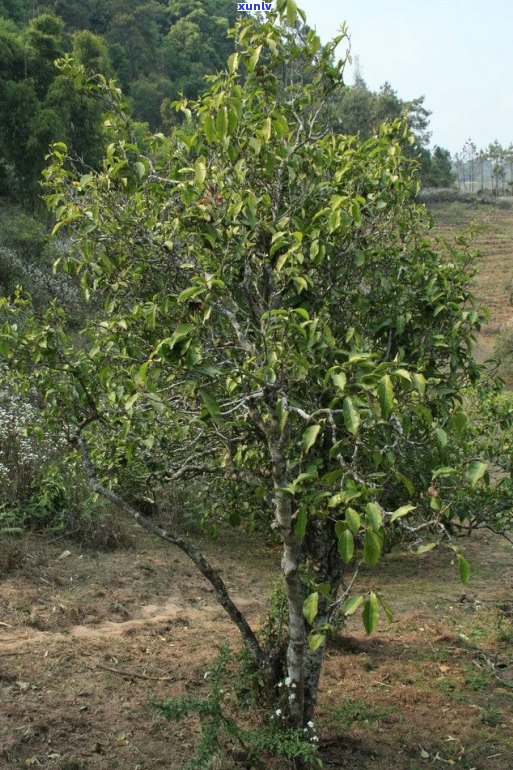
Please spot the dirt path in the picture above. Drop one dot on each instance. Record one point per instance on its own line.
(88, 639)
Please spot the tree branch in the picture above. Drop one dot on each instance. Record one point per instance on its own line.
(184, 545)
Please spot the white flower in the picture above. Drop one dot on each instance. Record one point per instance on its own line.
(310, 724)
(314, 738)
(278, 712)
(292, 696)
(288, 681)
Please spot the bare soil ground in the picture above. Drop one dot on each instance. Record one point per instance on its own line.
(87, 639)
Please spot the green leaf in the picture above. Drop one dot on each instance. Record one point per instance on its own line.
(441, 437)
(200, 171)
(406, 482)
(402, 511)
(291, 12)
(351, 416)
(281, 416)
(386, 396)
(142, 373)
(386, 607)
(192, 291)
(233, 62)
(182, 331)
(346, 546)
(458, 422)
(131, 401)
(426, 547)
(352, 605)
(339, 380)
(300, 524)
(209, 127)
(371, 613)
(374, 516)
(371, 548)
(445, 470)
(266, 129)
(316, 640)
(464, 569)
(222, 123)
(253, 59)
(402, 374)
(311, 607)
(353, 520)
(310, 436)
(211, 405)
(475, 471)
(419, 382)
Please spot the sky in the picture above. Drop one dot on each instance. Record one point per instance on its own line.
(458, 54)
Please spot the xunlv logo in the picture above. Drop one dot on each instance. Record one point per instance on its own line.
(254, 6)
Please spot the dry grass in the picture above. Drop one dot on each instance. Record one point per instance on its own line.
(87, 640)
(495, 242)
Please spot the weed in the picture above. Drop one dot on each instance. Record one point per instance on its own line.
(492, 716)
(218, 725)
(477, 679)
(351, 711)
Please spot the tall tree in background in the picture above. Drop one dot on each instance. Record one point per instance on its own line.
(39, 106)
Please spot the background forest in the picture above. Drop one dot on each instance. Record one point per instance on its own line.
(156, 51)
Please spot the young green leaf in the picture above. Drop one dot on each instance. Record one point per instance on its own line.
(386, 607)
(346, 546)
(374, 516)
(129, 403)
(352, 605)
(446, 470)
(419, 382)
(426, 547)
(300, 524)
(311, 607)
(200, 171)
(316, 640)
(353, 520)
(386, 396)
(464, 569)
(310, 436)
(281, 415)
(402, 511)
(291, 12)
(371, 613)
(371, 548)
(339, 380)
(253, 59)
(266, 129)
(222, 123)
(351, 416)
(209, 127)
(475, 471)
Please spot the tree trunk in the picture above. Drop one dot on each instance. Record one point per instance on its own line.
(294, 588)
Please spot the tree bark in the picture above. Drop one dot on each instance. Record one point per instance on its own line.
(294, 588)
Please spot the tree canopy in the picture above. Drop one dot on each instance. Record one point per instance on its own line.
(272, 323)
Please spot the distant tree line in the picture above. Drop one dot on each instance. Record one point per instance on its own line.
(490, 168)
